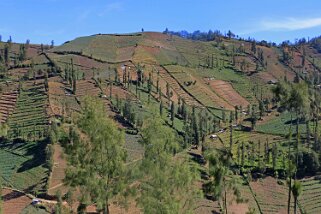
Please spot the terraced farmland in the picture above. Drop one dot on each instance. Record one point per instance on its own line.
(14, 202)
(87, 87)
(197, 88)
(227, 92)
(271, 196)
(7, 104)
(189, 100)
(30, 117)
(310, 199)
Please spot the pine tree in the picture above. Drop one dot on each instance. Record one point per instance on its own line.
(166, 181)
(46, 81)
(243, 154)
(161, 108)
(110, 88)
(172, 113)
(96, 162)
(221, 178)
(1, 201)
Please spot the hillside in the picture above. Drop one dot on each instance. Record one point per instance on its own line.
(214, 95)
(192, 64)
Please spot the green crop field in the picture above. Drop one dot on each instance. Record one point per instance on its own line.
(22, 165)
(30, 117)
(281, 125)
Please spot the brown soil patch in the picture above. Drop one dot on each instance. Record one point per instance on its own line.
(58, 171)
(125, 54)
(271, 196)
(165, 78)
(14, 202)
(7, 104)
(87, 87)
(227, 92)
(274, 66)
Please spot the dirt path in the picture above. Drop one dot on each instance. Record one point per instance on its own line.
(58, 171)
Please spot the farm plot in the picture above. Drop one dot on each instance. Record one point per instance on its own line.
(87, 87)
(7, 104)
(81, 63)
(196, 87)
(145, 54)
(310, 199)
(249, 201)
(117, 91)
(253, 142)
(241, 83)
(14, 202)
(22, 165)
(76, 46)
(167, 78)
(281, 124)
(102, 47)
(58, 100)
(271, 196)
(227, 92)
(274, 67)
(30, 117)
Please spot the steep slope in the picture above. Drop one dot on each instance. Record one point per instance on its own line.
(232, 63)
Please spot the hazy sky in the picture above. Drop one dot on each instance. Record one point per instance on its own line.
(60, 20)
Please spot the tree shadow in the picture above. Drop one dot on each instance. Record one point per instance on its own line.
(37, 152)
(12, 195)
(294, 121)
(197, 158)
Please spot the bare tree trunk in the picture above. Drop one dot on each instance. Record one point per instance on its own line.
(295, 204)
(289, 196)
(106, 208)
(225, 201)
(297, 143)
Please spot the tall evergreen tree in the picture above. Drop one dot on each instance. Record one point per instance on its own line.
(97, 160)
(167, 186)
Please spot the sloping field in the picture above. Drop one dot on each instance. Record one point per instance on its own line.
(109, 48)
(271, 196)
(145, 54)
(30, 115)
(87, 87)
(249, 201)
(14, 202)
(274, 66)
(227, 92)
(77, 46)
(118, 91)
(82, 63)
(7, 104)
(310, 199)
(21, 165)
(174, 84)
(58, 98)
(197, 88)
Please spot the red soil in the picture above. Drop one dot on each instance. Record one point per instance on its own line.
(227, 92)
(274, 66)
(14, 202)
(7, 104)
(165, 78)
(87, 87)
(58, 171)
(271, 196)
